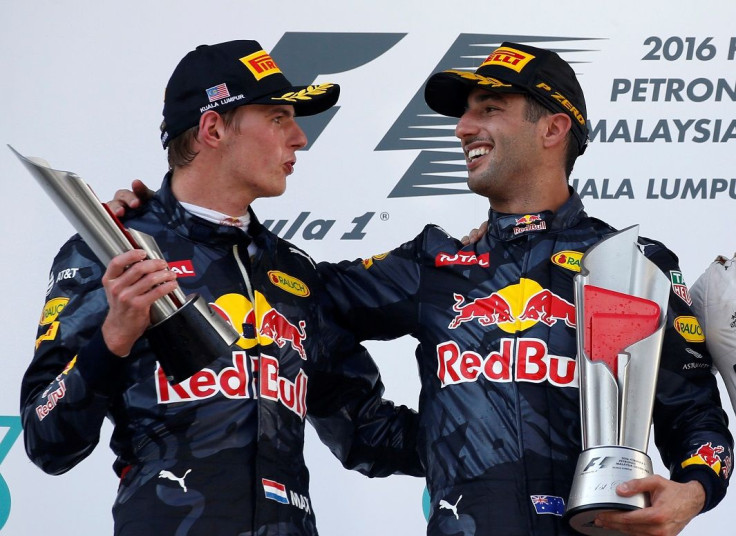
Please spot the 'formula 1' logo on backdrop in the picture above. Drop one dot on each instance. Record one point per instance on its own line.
(439, 168)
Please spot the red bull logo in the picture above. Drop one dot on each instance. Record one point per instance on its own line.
(293, 395)
(53, 396)
(276, 327)
(520, 360)
(238, 382)
(514, 308)
(548, 307)
(708, 455)
(258, 327)
(462, 258)
(529, 218)
(487, 310)
(529, 222)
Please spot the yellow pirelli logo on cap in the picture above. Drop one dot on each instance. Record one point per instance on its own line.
(508, 57)
(260, 64)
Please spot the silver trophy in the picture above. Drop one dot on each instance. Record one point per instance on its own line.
(621, 302)
(186, 334)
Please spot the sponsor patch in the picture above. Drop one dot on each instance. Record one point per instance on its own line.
(509, 57)
(569, 260)
(288, 283)
(182, 268)
(367, 263)
(529, 222)
(49, 334)
(519, 360)
(462, 259)
(260, 64)
(51, 310)
(539, 305)
(679, 287)
(275, 491)
(548, 504)
(708, 455)
(52, 400)
(689, 328)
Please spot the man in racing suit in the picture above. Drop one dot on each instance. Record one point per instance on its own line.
(499, 407)
(221, 452)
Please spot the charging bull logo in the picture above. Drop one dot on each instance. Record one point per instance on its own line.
(258, 327)
(548, 307)
(275, 326)
(514, 308)
(708, 455)
(488, 310)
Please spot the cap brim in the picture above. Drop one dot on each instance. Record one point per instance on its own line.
(447, 92)
(306, 100)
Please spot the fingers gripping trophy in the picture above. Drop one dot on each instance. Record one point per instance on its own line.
(186, 333)
(621, 305)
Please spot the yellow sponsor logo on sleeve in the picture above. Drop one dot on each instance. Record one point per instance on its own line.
(49, 334)
(51, 310)
(689, 328)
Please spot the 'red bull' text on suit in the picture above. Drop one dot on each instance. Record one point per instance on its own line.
(499, 406)
(221, 452)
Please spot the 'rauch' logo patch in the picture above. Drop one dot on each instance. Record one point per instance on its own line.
(568, 259)
(52, 309)
(689, 328)
(288, 283)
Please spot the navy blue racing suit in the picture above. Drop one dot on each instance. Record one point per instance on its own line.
(499, 408)
(220, 453)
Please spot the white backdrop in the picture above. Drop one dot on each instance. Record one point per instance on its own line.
(81, 84)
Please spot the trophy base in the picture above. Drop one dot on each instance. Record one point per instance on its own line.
(598, 472)
(190, 339)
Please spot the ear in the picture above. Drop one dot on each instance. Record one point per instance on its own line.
(211, 129)
(558, 125)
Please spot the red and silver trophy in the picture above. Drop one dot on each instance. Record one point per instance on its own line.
(621, 302)
(186, 334)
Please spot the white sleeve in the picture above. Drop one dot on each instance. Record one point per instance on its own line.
(714, 303)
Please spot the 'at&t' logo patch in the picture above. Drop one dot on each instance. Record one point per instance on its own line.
(508, 57)
(679, 287)
(568, 259)
(260, 64)
(689, 328)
